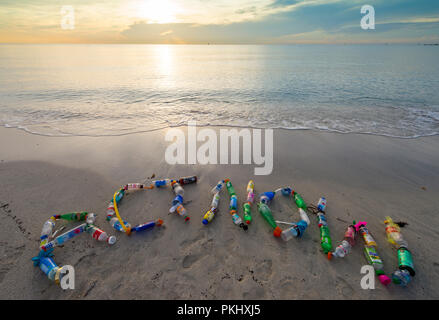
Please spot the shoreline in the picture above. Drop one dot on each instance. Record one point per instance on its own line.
(363, 177)
(216, 126)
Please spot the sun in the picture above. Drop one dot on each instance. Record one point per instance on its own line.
(158, 11)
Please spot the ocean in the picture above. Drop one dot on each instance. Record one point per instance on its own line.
(100, 90)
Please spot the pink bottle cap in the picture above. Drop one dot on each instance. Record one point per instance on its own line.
(385, 280)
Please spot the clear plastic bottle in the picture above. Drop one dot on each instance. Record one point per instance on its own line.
(290, 233)
(342, 250)
(178, 189)
(285, 191)
(180, 210)
(91, 218)
(401, 277)
(304, 216)
(215, 200)
(218, 187)
(47, 229)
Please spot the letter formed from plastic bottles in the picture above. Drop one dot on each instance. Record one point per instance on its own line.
(121, 224)
(368, 280)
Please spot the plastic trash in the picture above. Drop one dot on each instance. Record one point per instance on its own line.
(265, 212)
(218, 187)
(250, 192)
(345, 247)
(99, 234)
(233, 207)
(177, 188)
(161, 183)
(266, 197)
(210, 214)
(187, 180)
(371, 254)
(299, 200)
(393, 233)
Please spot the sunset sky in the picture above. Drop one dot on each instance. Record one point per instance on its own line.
(218, 21)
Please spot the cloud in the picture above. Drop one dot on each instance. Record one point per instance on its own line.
(222, 21)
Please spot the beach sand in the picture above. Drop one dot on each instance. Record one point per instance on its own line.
(363, 177)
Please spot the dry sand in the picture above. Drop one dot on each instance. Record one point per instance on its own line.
(362, 176)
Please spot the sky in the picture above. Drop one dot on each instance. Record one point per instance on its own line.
(217, 21)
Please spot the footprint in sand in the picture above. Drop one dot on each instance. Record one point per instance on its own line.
(264, 270)
(255, 293)
(189, 260)
(344, 288)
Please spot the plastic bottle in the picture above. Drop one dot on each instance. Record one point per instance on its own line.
(178, 199)
(147, 225)
(229, 187)
(46, 232)
(304, 216)
(120, 194)
(250, 191)
(266, 197)
(46, 263)
(218, 187)
(401, 277)
(364, 232)
(177, 188)
(209, 215)
(114, 222)
(299, 200)
(91, 218)
(296, 230)
(188, 180)
(61, 239)
(73, 216)
(285, 191)
(374, 260)
(161, 183)
(247, 212)
(99, 234)
(134, 186)
(215, 200)
(394, 235)
(405, 260)
(265, 212)
(180, 210)
(321, 205)
(345, 247)
(370, 251)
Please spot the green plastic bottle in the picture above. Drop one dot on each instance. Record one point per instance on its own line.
(229, 186)
(325, 239)
(74, 216)
(265, 212)
(299, 200)
(405, 260)
(247, 212)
